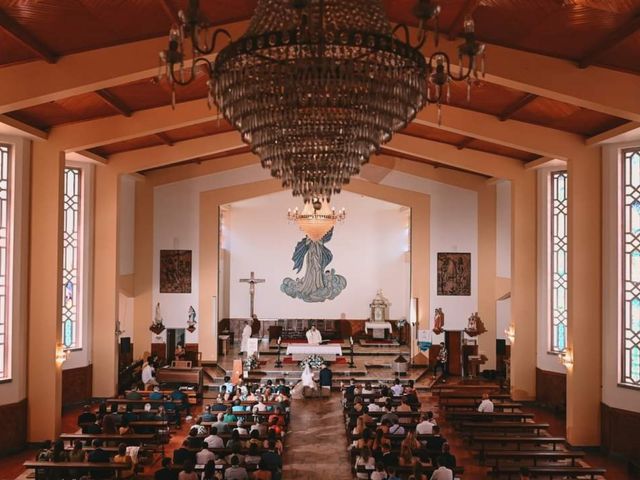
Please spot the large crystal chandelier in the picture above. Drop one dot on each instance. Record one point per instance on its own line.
(316, 218)
(316, 86)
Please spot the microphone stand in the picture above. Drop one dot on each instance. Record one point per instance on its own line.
(278, 363)
(352, 364)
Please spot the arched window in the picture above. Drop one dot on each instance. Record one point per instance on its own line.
(558, 261)
(631, 267)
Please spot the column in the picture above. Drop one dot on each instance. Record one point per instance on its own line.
(105, 300)
(44, 387)
(584, 378)
(523, 285)
(143, 269)
(487, 272)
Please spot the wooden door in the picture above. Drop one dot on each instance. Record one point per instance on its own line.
(453, 342)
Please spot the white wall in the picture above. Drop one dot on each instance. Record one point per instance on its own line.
(15, 390)
(126, 225)
(612, 394)
(545, 360)
(369, 249)
(453, 225)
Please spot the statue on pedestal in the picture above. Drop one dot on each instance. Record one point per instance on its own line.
(438, 322)
(475, 326)
(157, 326)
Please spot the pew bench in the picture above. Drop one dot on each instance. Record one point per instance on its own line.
(109, 437)
(501, 407)
(457, 417)
(404, 472)
(43, 469)
(549, 471)
(532, 455)
(518, 441)
(472, 429)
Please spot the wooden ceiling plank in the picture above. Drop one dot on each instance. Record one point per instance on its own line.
(514, 107)
(114, 102)
(170, 11)
(466, 11)
(13, 126)
(19, 33)
(614, 38)
(465, 143)
(165, 138)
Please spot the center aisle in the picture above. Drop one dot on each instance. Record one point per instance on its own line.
(316, 445)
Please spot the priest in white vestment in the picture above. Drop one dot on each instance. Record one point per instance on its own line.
(314, 337)
(246, 334)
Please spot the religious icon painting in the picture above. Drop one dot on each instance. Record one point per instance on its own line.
(454, 274)
(175, 271)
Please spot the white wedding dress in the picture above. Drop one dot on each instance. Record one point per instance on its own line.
(305, 381)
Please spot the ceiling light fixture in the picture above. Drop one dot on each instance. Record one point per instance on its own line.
(316, 86)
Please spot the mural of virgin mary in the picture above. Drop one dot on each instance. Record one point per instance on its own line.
(318, 284)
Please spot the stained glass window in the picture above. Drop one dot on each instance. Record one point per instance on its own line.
(559, 265)
(631, 267)
(71, 257)
(5, 172)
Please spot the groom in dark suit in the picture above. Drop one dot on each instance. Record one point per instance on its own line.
(326, 376)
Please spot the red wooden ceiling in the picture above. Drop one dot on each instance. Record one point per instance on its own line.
(567, 29)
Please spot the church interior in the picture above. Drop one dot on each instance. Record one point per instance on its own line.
(312, 239)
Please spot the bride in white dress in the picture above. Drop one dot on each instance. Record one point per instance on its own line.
(305, 381)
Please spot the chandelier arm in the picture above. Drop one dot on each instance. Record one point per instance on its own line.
(204, 50)
(463, 76)
(192, 71)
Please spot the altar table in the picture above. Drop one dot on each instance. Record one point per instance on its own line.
(379, 328)
(302, 351)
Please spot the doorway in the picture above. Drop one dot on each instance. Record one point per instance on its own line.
(174, 337)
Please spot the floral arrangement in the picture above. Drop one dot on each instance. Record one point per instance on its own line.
(250, 363)
(314, 361)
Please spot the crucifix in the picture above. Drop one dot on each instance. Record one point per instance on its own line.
(252, 280)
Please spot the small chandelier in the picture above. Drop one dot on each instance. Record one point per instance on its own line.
(316, 86)
(316, 218)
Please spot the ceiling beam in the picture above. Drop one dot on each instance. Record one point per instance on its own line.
(19, 33)
(114, 102)
(508, 112)
(466, 11)
(616, 37)
(87, 156)
(170, 11)
(103, 131)
(78, 73)
(542, 141)
(544, 162)
(11, 126)
(600, 89)
(464, 143)
(626, 132)
(165, 138)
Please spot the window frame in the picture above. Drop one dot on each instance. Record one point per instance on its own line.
(7, 344)
(79, 254)
(622, 242)
(551, 272)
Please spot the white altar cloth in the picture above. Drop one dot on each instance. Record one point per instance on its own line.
(303, 350)
(378, 328)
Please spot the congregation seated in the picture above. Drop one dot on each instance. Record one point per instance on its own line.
(486, 406)
(87, 416)
(184, 453)
(235, 471)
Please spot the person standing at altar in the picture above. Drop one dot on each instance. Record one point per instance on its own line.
(246, 335)
(314, 337)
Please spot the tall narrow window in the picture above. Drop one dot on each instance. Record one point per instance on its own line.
(5, 172)
(631, 267)
(559, 254)
(71, 258)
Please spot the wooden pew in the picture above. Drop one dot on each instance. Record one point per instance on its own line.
(108, 437)
(406, 471)
(532, 455)
(500, 407)
(443, 398)
(485, 440)
(457, 417)
(471, 429)
(80, 466)
(550, 472)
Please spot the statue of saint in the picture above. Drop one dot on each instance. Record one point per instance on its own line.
(475, 326)
(438, 322)
(157, 326)
(191, 321)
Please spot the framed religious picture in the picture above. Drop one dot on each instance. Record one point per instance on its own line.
(454, 274)
(175, 271)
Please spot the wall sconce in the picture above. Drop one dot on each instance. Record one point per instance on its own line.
(566, 358)
(61, 354)
(511, 333)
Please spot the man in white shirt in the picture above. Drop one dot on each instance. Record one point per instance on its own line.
(260, 406)
(486, 405)
(397, 389)
(442, 473)
(204, 455)
(314, 337)
(148, 375)
(213, 440)
(425, 427)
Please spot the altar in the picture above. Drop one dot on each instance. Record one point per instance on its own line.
(302, 351)
(379, 329)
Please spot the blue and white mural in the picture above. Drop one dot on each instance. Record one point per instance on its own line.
(318, 283)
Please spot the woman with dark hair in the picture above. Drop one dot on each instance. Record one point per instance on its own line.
(124, 428)
(187, 472)
(58, 454)
(234, 440)
(209, 472)
(271, 437)
(108, 424)
(261, 473)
